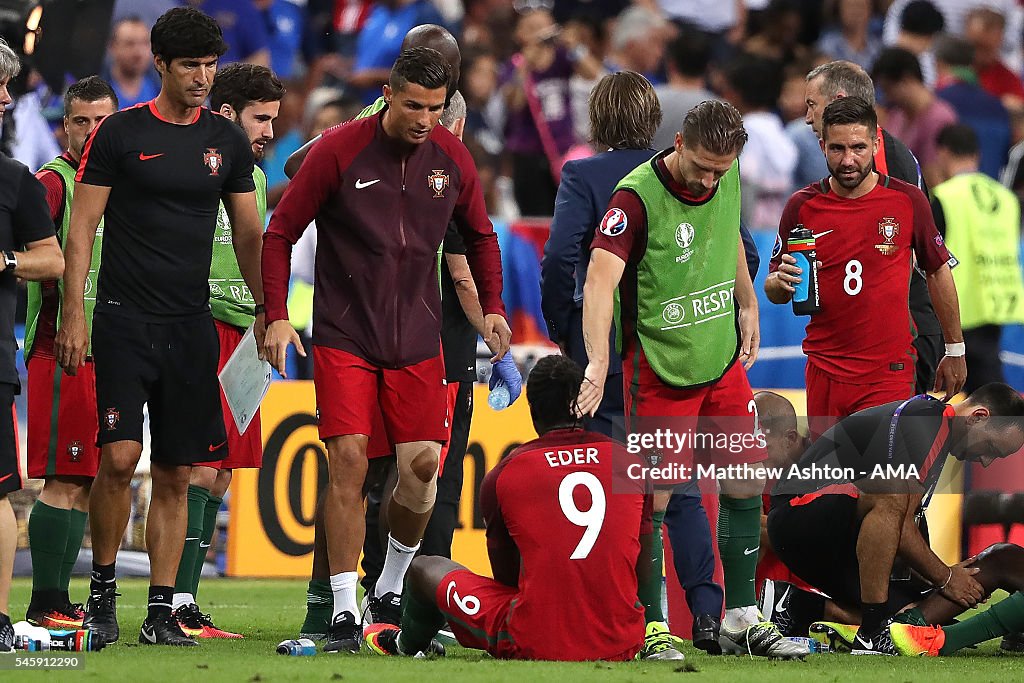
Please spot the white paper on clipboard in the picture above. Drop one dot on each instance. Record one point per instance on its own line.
(245, 380)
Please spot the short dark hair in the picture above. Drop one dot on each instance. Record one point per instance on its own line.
(1002, 401)
(953, 50)
(959, 139)
(89, 89)
(921, 18)
(624, 111)
(551, 390)
(758, 81)
(715, 126)
(423, 66)
(242, 84)
(848, 110)
(895, 64)
(186, 32)
(690, 53)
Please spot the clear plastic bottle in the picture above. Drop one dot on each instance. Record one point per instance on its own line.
(499, 397)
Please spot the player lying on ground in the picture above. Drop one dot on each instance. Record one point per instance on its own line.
(563, 547)
(863, 519)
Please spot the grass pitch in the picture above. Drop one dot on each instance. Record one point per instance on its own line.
(269, 611)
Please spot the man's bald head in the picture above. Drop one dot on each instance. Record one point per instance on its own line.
(774, 412)
(777, 418)
(437, 38)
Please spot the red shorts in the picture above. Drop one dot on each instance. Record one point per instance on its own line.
(244, 450)
(829, 398)
(412, 401)
(477, 609)
(725, 407)
(62, 428)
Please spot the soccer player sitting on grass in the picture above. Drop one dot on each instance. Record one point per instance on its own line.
(561, 542)
(842, 530)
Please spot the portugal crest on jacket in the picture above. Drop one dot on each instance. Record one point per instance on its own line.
(438, 182)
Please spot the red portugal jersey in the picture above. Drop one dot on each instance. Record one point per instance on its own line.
(557, 530)
(866, 247)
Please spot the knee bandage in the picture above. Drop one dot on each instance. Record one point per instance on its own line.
(417, 480)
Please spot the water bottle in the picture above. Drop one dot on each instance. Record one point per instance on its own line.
(80, 640)
(813, 646)
(304, 647)
(801, 247)
(499, 397)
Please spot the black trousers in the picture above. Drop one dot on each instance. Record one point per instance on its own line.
(983, 364)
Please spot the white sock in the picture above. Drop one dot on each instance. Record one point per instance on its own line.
(343, 586)
(181, 599)
(396, 564)
(741, 617)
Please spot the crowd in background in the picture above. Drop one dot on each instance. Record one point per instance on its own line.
(528, 67)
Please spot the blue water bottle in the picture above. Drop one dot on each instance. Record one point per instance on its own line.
(303, 647)
(801, 246)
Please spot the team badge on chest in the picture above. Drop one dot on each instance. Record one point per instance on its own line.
(888, 228)
(213, 160)
(438, 182)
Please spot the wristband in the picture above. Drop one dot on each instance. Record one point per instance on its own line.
(260, 308)
(956, 350)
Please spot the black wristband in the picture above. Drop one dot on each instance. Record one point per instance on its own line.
(260, 308)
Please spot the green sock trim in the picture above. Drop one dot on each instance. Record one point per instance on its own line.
(47, 539)
(197, 498)
(319, 606)
(739, 535)
(1002, 618)
(649, 588)
(76, 532)
(213, 504)
(318, 590)
(420, 622)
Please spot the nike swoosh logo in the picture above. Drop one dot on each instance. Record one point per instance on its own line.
(866, 643)
(147, 157)
(218, 446)
(207, 545)
(819, 235)
(782, 601)
(149, 635)
(6, 477)
(751, 551)
(360, 184)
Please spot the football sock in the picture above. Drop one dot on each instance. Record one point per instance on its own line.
(872, 617)
(47, 538)
(160, 601)
(737, 618)
(1000, 619)
(396, 563)
(649, 589)
(319, 605)
(213, 504)
(76, 532)
(103, 577)
(197, 497)
(912, 616)
(805, 608)
(420, 622)
(343, 586)
(182, 599)
(739, 537)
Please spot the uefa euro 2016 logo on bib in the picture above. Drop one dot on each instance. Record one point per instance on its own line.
(684, 238)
